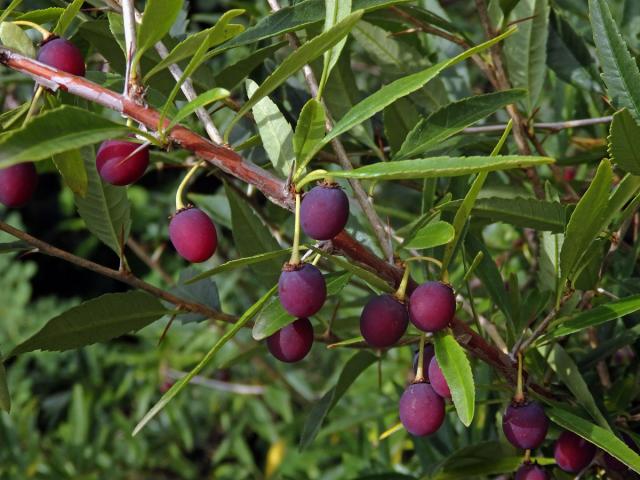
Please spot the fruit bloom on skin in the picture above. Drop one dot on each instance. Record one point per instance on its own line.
(421, 409)
(63, 55)
(529, 471)
(17, 184)
(572, 452)
(193, 235)
(525, 425)
(432, 306)
(302, 290)
(293, 342)
(437, 379)
(383, 321)
(324, 211)
(120, 162)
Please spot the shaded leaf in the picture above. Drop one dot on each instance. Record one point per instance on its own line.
(71, 167)
(203, 291)
(624, 142)
(241, 262)
(67, 17)
(309, 132)
(157, 19)
(432, 235)
(201, 100)
(335, 12)
(12, 36)
(5, 396)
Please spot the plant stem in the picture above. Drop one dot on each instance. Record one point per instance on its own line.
(43, 31)
(34, 104)
(519, 396)
(401, 292)
(183, 184)
(295, 252)
(420, 370)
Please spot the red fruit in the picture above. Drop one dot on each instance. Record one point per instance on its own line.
(525, 425)
(383, 321)
(17, 184)
(432, 306)
(324, 211)
(573, 453)
(421, 409)
(63, 55)
(120, 162)
(529, 471)
(569, 174)
(428, 354)
(193, 235)
(301, 289)
(438, 382)
(293, 342)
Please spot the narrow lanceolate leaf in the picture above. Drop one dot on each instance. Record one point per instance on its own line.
(275, 132)
(479, 460)
(219, 33)
(67, 17)
(294, 62)
(600, 437)
(241, 262)
(309, 132)
(231, 75)
(10, 8)
(523, 212)
(5, 397)
(457, 371)
(71, 167)
(56, 131)
(105, 208)
(202, 100)
(430, 132)
(352, 370)
(596, 316)
(526, 51)
(157, 19)
(620, 70)
(432, 235)
(400, 88)
(14, 37)
(587, 221)
(335, 11)
(184, 381)
(97, 320)
(624, 142)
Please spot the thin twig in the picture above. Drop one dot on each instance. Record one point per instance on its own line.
(129, 22)
(553, 126)
(236, 388)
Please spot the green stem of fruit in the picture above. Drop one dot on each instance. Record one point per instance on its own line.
(435, 261)
(420, 370)
(34, 104)
(295, 252)
(185, 181)
(519, 396)
(43, 31)
(310, 177)
(402, 288)
(316, 259)
(527, 456)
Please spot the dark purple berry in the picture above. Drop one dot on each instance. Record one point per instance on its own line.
(432, 306)
(17, 184)
(428, 354)
(301, 289)
(193, 235)
(324, 211)
(529, 471)
(573, 453)
(120, 162)
(63, 55)
(525, 425)
(421, 409)
(383, 321)
(438, 382)
(293, 342)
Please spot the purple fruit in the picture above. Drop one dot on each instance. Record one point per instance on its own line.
(193, 234)
(438, 382)
(525, 425)
(432, 306)
(120, 162)
(383, 321)
(293, 342)
(529, 471)
(301, 289)
(63, 55)
(324, 211)
(428, 354)
(17, 184)
(573, 453)
(421, 409)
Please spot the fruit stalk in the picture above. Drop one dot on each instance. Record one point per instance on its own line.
(183, 185)
(295, 251)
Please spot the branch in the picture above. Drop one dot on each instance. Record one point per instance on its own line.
(552, 126)
(131, 74)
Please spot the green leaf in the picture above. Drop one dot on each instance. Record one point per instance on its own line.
(5, 396)
(596, 316)
(430, 132)
(56, 131)
(219, 33)
(12, 36)
(13, 247)
(400, 88)
(275, 132)
(457, 371)
(352, 369)
(624, 142)
(105, 208)
(526, 51)
(241, 262)
(600, 437)
(620, 70)
(335, 12)
(202, 100)
(202, 291)
(432, 235)
(97, 320)
(71, 167)
(10, 8)
(370, 277)
(157, 19)
(587, 221)
(231, 75)
(67, 17)
(184, 381)
(309, 132)
(399, 119)
(480, 460)
(295, 61)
